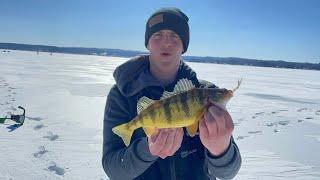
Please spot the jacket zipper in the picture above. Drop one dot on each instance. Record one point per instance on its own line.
(172, 169)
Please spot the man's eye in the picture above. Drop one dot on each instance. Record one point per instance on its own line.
(174, 36)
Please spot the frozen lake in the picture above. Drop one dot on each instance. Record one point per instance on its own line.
(276, 114)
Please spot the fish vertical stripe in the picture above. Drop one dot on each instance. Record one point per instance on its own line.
(135, 122)
(141, 121)
(200, 96)
(152, 115)
(192, 95)
(175, 101)
(167, 111)
(209, 92)
(184, 102)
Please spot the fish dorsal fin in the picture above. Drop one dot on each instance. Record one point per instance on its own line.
(144, 103)
(167, 94)
(181, 86)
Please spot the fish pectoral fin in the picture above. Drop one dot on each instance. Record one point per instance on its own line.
(192, 129)
(149, 131)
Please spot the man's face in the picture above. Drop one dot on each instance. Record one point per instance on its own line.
(165, 48)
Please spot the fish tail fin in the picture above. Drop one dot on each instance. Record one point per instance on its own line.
(125, 132)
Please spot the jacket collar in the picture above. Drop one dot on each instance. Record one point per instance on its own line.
(134, 75)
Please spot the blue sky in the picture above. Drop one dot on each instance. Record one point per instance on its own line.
(272, 29)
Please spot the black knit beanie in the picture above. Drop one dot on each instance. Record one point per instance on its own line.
(171, 19)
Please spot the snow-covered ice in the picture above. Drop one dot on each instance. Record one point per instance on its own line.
(276, 114)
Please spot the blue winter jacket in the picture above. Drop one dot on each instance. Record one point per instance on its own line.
(191, 162)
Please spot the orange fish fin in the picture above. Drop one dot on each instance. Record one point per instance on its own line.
(193, 128)
(149, 131)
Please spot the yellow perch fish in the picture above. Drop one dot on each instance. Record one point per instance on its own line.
(181, 108)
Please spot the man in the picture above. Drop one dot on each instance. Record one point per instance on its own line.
(170, 153)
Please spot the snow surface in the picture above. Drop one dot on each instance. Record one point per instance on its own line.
(276, 114)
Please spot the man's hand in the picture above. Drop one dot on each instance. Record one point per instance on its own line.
(165, 142)
(215, 129)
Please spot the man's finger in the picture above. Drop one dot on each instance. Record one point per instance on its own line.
(169, 142)
(218, 115)
(160, 141)
(229, 121)
(155, 135)
(203, 130)
(211, 124)
(177, 140)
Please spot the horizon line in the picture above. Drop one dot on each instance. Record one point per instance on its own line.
(145, 52)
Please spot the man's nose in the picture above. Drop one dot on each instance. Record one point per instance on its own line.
(167, 40)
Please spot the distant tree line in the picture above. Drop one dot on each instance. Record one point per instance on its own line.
(254, 62)
(129, 53)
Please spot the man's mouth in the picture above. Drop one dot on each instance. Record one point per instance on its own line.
(165, 54)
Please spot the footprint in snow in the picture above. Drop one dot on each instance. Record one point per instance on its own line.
(39, 126)
(13, 108)
(241, 137)
(254, 132)
(300, 120)
(283, 123)
(301, 109)
(309, 118)
(51, 136)
(272, 124)
(35, 118)
(283, 110)
(56, 169)
(259, 113)
(41, 152)
(240, 119)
